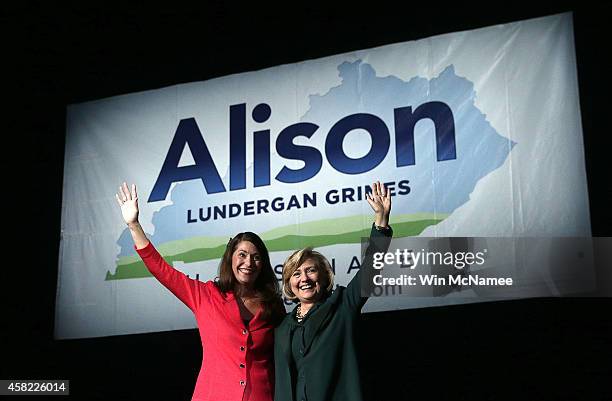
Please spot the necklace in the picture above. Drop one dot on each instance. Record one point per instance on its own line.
(298, 313)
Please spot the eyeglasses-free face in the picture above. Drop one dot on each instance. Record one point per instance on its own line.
(246, 263)
(305, 282)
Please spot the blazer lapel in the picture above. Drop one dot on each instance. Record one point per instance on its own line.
(257, 322)
(230, 308)
(232, 311)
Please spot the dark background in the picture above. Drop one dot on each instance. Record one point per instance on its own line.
(57, 55)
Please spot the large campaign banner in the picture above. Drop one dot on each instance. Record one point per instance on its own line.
(476, 133)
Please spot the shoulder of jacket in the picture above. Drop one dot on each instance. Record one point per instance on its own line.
(285, 321)
(336, 294)
(211, 288)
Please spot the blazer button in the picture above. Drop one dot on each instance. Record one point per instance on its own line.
(244, 331)
(242, 383)
(242, 365)
(242, 348)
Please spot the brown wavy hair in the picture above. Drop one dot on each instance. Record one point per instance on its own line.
(266, 285)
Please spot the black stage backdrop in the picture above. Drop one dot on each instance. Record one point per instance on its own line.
(57, 55)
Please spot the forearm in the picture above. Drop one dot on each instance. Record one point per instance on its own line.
(378, 242)
(381, 220)
(138, 235)
(185, 289)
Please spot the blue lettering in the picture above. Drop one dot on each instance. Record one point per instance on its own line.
(237, 170)
(404, 187)
(293, 202)
(219, 212)
(261, 145)
(310, 199)
(187, 133)
(380, 143)
(261, 163)
(287, 149)
(207, 217)
(332, 197)
(406, 119)
(189, 218)
(234, 210)
(249, 208)
(277, 204)
(262, 206)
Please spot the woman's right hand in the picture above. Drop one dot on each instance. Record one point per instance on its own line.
(128, 201)
(380, 201)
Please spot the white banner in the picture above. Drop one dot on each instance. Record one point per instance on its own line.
(477, 133)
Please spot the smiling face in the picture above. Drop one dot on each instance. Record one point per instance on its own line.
(305, 283)
(246, 263)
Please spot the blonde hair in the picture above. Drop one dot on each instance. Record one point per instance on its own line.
(326, 274)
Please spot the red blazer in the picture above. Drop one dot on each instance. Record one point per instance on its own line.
(238, 362)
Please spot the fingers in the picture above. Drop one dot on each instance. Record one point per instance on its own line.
(125, 194)
(121, 198)
(134, 194)
(380, 194)
(379, 190)
(121, 195)
(374, 193)
(370, 200)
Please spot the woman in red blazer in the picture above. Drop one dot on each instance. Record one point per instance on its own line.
(235, 314)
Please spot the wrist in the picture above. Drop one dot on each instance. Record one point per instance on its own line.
(381, 221)
(133, 225)
(382, 229)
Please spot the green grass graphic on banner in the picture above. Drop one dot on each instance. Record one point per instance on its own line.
(330, 232)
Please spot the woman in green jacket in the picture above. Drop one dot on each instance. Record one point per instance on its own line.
(314, 348)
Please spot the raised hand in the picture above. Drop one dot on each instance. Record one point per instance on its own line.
(128, 200)
(380, 202)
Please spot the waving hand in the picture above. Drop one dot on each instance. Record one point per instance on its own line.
(128, 201)
(380, 201)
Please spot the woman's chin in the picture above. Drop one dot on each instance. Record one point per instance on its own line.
(309, 297)
(247, 281)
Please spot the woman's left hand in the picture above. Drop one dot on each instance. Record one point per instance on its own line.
(380, 201)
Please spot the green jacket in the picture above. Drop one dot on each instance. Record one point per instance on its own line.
(330, 366)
